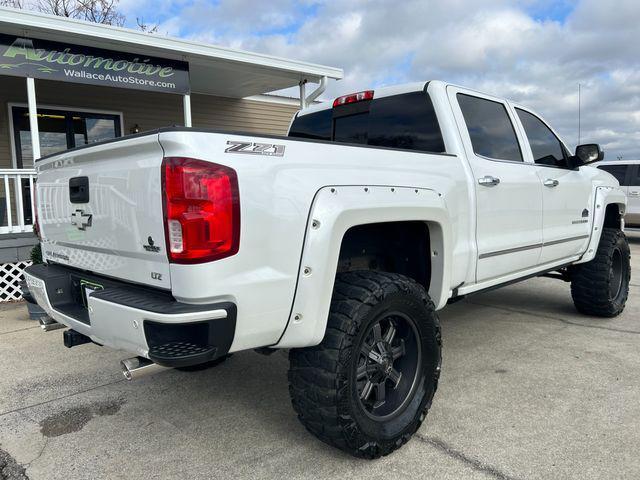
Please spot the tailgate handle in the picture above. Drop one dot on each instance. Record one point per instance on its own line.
(79, 189)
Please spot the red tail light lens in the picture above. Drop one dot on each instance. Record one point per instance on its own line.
(353, 98)
(201, 210)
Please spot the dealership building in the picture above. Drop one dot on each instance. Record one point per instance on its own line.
(66, 83)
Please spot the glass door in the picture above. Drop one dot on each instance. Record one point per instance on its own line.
(59, 130)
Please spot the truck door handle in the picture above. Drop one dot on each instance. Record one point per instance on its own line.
(488, 181)
(634, 193)
(550, 182)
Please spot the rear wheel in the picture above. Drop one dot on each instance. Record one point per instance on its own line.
(601, 286)
(367, 387)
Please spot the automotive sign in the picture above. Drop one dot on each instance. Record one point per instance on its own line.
(27, 57)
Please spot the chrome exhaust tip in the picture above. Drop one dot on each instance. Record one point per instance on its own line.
(138, 367)
(47, 324)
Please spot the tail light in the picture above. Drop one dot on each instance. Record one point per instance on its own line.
(353, 98)
(201, 210)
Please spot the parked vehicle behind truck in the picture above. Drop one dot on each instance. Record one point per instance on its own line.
(627, 172)
(339, 242)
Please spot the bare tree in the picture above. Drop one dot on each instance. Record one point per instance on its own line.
(12, 3)
(146, 27)
(97, 11)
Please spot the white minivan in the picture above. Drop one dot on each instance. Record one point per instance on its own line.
(627, 172)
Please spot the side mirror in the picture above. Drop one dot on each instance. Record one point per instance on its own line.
(588, 153)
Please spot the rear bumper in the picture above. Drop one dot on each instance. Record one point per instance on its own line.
(145, 322)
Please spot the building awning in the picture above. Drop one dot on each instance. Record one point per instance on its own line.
(212, 70)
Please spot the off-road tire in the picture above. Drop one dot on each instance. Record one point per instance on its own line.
(323, 381)
(206, 365)
(592, 282)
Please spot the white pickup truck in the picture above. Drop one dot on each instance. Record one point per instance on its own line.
(339, 242)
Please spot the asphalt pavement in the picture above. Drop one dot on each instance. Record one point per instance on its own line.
(530, 389)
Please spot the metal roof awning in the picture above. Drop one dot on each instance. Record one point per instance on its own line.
(212, 70)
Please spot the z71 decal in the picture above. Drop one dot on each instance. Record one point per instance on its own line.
(268, 149)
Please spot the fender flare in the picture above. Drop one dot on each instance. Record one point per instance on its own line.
(335, 209)
(604, 197)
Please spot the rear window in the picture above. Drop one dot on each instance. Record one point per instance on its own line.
(316, 126)
(406, 121)
(351, 128)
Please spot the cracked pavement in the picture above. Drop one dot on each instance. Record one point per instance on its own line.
(530, 389)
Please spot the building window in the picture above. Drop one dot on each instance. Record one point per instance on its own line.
(60, 130)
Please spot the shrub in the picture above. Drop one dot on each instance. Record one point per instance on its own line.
(36, 254)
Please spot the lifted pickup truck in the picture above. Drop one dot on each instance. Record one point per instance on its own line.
(339, 242)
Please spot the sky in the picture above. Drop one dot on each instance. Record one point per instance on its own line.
(533, 52)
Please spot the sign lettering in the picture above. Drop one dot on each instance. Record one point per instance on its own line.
(26, 57)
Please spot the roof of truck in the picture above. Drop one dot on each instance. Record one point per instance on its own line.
(387, 91)
(616, 162)
(380, 92)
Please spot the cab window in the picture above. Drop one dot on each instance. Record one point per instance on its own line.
(406, 121)
(545, 146)
(490, 129)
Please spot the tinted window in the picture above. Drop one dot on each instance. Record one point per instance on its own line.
(313, 125)
(618, 171)
(545, 146)
(351, 129)
(406, 121)
(492, 134)
(634, 177)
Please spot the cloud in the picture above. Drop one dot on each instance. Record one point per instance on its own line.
(534, 52)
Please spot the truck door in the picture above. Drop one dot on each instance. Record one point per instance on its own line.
(567, 195)
(508, 191)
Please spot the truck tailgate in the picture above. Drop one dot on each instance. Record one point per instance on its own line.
(116, 228)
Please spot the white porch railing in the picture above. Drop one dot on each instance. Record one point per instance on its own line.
(17, 210)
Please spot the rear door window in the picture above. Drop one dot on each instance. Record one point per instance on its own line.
(618, 171)
(490, 128)
(407, 121)
(545, 146)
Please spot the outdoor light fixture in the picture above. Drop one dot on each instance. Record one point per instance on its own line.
(135, 129)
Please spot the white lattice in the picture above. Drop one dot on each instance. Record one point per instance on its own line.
(10, 278)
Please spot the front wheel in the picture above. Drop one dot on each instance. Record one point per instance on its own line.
(601, 286)
(367, 387)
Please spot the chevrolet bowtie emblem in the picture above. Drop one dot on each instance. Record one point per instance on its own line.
(81, 219)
